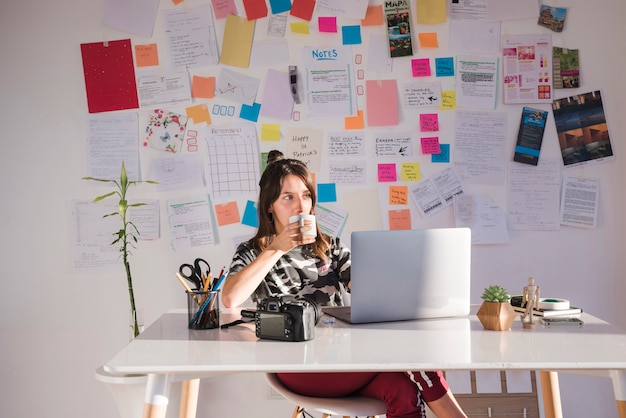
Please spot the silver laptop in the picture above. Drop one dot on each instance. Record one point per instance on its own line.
(402, 275)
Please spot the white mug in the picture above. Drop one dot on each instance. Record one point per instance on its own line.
(305, 217)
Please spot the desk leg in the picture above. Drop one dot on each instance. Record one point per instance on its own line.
(157, 396)
(189, 398)
(551, 394)
(619, 388)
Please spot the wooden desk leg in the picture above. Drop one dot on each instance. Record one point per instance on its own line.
(157, 396)
(189, 398)
(551, 394)
(618, 377)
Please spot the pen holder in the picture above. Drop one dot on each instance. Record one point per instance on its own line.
(203, 309)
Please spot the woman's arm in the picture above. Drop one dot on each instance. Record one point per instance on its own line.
(239, 286)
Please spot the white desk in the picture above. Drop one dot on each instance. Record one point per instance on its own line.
(167, 350)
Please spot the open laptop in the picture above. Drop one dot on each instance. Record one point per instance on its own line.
(402, 275)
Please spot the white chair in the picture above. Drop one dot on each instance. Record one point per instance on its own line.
(349, 406)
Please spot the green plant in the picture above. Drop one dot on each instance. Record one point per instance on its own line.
(495, 293)
(126, 237)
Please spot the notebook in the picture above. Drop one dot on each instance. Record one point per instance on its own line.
(403, 275)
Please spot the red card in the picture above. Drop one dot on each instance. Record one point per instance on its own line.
(302, 9)
(109, 76)
(255, 9)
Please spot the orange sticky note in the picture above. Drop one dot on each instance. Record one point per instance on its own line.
(146, 55)
(199, 113)
(373, 16)
(400, 219)
(398, 195)
(355, 122)
(177, 2)
(227, 213)
(428, 39)
(202, 87)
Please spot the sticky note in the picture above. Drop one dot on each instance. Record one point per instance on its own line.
(443, 156)
(199, 113)
(326, 192)
(270, 132)
(444, 67)
(420, 67)
(300, 27)
(250, 113)
(227, 213)
(351, 35)
(354, 122)
(255, 9)
(250, 216)
(373, 16)
(327, 24)
(399, 220)
(279, 6)
(398, 195)
(428, 39)
(146, 55)
(410, 171)
(448, 100)
(429, 122)
(430, 145)
(302, 9)
(202, 87)
(386, 173)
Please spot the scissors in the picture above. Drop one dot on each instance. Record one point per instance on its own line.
(196, 273)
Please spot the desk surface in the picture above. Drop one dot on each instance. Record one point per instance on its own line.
(167, 346)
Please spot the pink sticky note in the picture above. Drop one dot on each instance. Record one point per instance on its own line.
(431, 145)
(386, 173)
(429, 122)
(420, 67)
(327, 24)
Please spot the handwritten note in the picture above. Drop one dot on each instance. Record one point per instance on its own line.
(343, 144)
(429, 122)
(430, 145)
(398, 195)
(422, 94)
(386, 173)
(410, 171)
(398, 145)
(420, 67)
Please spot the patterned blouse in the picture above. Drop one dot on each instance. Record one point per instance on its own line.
(301, 273)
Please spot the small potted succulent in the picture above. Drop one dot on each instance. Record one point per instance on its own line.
(496, 312)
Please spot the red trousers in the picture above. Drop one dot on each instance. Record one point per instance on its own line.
(404, 393)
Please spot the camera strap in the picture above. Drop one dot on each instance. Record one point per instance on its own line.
(237, 322)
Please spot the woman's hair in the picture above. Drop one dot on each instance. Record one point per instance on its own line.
(271, 183)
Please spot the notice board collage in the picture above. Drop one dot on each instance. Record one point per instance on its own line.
(409, 114)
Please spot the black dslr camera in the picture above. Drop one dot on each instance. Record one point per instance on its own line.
(286, 319)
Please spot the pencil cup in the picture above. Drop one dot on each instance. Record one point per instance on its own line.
(203, 309)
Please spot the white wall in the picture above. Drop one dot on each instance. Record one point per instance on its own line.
(57, 326)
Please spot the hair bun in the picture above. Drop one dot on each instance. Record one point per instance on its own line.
(273, 156)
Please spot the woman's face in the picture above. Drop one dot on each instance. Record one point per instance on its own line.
(294, 199)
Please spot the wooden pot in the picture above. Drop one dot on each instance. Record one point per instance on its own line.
(496, 316)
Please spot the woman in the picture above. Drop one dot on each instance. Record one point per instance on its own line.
(281, 260)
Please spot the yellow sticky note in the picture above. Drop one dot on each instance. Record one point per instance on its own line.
(270, 132)
(398, 195)
(355, 122)
(300, 27)
(431, 11)
(410, 171)
(199, 113)
(146, 55)
(428, 39)
(238, 35)
(202, 87)
(448, 99)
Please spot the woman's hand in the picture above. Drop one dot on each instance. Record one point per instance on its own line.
(292, 236)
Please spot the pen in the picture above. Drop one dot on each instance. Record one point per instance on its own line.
(209, 299)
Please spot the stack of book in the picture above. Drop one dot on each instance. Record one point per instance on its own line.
(571, 311)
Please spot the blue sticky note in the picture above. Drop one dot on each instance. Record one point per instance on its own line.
(444, 67)
(326, 192)
(443, 156)
(250, 216)
(250, 113)
(279, 6)
(351, 35)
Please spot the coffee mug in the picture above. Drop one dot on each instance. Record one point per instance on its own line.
(304, 217)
